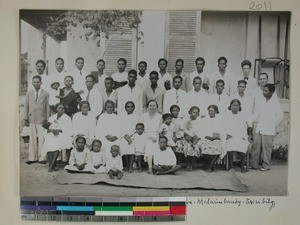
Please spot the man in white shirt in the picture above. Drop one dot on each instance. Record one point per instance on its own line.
(130, 92)
(100, 82)
(93, 96)
(120, 78)
(60, 73)
(200, 63)
(176, 96)
(40, 68)
(245, 99)
(109, 93)
(268, 117)
(154, 92)
(186, 83)
(251, 82)
(142, 77)
(220, 98)
(224, 75)
(198, 97)
(79, 75)
(165, 78)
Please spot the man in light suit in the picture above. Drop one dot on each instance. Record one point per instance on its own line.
(36, 112)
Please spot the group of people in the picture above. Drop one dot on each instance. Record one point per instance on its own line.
(105, 123)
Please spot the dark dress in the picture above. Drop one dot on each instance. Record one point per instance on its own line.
(71, 101)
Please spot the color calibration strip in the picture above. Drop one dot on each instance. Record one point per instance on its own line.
(103, 209)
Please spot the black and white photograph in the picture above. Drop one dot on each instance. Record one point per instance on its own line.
(154, 103)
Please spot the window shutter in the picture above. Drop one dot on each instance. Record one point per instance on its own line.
(181, 39)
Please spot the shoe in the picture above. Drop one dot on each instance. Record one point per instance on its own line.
(264, 169)
(30, 162)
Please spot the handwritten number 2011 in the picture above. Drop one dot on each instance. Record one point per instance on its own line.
(260, 6)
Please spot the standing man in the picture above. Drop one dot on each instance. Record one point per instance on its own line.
(251, 82)
(143, 77)
(222, 74)
(130, 92)
(186, 83)
(268, 117)
(100, 82)
(60, 73)
(165, 79)
(200, 63)
(40, 68)
(120, 78)
(36, 113)
(109, 93)
(79, 75)
(220, 98)
(154, 92)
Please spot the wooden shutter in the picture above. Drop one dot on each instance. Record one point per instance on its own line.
(181, 38)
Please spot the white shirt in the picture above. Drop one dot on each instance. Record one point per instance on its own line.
(162, 79)
(222, 101)
(58, 77)
(79, 79)
(246, 104)
(95, 99)
(228, 78)
(100, 86)
(98, 157)
(143, 82)
(164, 158)
(175, 97)
(84, 125)
(45, 82)
(204, 77)
(268, 116)
(113, 97)
(251, 84)
(79, 157)
(199, 99)
(120, 77)
(139, 142)
(114, 163)
(134, 94)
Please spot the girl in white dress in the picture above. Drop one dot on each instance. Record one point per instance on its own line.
(108, 127)
(236, 133)
(152, 120)
(84, 123)
(58, 136)
(127, 125)
(98, 158)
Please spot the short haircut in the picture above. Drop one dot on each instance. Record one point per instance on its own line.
(143, 62)
(79, 58)
(166, 115)
(109, 102)
(174, 106)
(115, 146)
(264, 74)
(132, 72)
(100, 60)
(271, 87)
(197, 78)
(109, 78)
(69, 77)
(234, 101)
(200, 59)
(242, 82)
(91, 76)
(123, 60)
(37, 77)
(163, 59)
(154, 72)
(163, 137)
(61, 59)
(222, 58)
(246, 63)
(194, 107)
(80, 137)
(139, 124)
(86, 103)
(58, 104)
(40, 61)
(177, 77)
(152, 100)
(129, 103)
(220, 81)
(179, 60)
(213, 107)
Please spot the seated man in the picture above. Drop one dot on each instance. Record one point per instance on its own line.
(164, 159)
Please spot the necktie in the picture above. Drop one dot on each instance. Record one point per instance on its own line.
(80, 72)
(177, 97)
(88, 95)
(219, 98)
(36, 95)
(246, 78)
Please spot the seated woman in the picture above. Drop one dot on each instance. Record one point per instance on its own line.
(236, 133)
(84, 123)
(58, 136)
(212, 135)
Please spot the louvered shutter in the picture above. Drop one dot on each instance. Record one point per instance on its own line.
(120, 46)
(181, 39)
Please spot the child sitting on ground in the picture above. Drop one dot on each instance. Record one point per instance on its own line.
(168, 129)
(139, 143)
(164, 159)
(98, 158)
(80, 157)
(114, 164)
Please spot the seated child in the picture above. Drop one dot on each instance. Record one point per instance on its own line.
(164, 159)
(114, 164)
(80, 157)
(139, 143)
(98, 158)
(168, 129)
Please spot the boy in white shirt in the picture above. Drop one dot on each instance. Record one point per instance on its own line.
(114, 165)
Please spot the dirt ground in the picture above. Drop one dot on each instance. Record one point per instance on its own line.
(35, 180)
